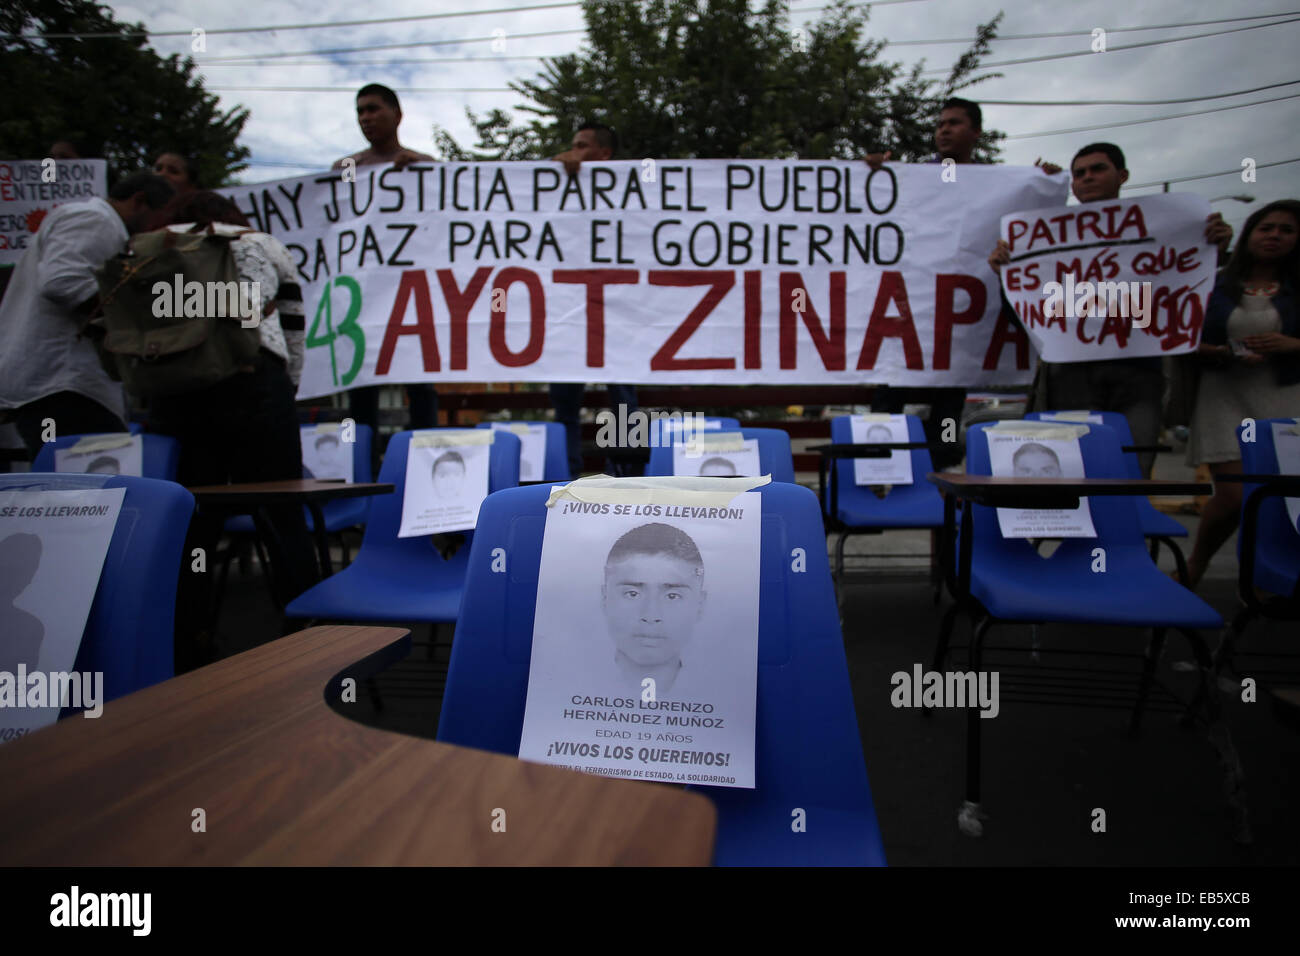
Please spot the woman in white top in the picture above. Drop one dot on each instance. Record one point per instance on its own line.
(1250, 353)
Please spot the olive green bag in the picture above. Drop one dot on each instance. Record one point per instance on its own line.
(169, 354)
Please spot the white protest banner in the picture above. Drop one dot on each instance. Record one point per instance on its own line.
(1286, 442)
(30, 188)
(645, 640)
(113, 454)
(532, 448)
(717, 271)
(52, 549)
(1017, 449)
(1111, 279)
(873, 429)
(446, 480)
(325, 454)
(717, 455)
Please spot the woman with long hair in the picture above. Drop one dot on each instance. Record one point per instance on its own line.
(1250, 361)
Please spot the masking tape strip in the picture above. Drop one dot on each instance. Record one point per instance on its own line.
(452, 438)
(94, 443)
(703, 443)
(1046, 430)
(1082, 416)
(704, 492)
(520, 430)
(872, 418)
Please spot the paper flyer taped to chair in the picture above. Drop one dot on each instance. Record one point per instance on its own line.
(1286, 442)
(446, 481)
(872, 429)
(717, 455)
(325, 454)
(113, 454)
(1031, 456)
(52, 550)
(645, 642)
(532, 448)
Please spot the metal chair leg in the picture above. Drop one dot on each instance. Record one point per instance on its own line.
(1154, 647)
(970, 815)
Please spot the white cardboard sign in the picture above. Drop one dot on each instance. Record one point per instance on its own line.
(446, 480)
(894, 470)
(645, 641)
(325, 454)
(115, 454)
(1027, 456)
(52, 549)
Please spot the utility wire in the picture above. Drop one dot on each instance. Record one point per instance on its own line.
(1118, 49)
(1150, 119)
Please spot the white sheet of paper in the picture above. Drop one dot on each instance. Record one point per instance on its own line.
(894, 470)
(1287, 444)
(1026, 457)
(325, 454)
(103, 455)
(52, 549)
(445, 483)
(677, 605)
(532, 448)
(709, 463)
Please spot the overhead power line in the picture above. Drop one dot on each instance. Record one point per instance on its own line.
(1150, 119)
(377, 21)
(1226, 172)
(1185, 99)
(1118, 49)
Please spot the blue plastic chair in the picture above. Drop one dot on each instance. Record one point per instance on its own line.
(402, 579)
(1158, 527)
(1268, 546)
(160, 455)
(129, 631)
(774, 457)
(1006, 580)
(555, 466)
(850, 508)
(807, 749)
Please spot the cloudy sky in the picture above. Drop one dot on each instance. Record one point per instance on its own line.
(302, 106)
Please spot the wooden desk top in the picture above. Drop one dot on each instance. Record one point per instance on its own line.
(300, 490)
(1055, 492)
(284, 779)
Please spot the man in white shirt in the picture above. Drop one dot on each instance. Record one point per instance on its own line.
(48, 370)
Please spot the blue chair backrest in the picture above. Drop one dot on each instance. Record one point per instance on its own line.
(1259, 457)
(386, 510)
(922, 465)
(807, 746)
(129, 631)
(1114, 517)
(660, 432)
(160, 455)
(1114, 420)
(555, 467)
(774, 456)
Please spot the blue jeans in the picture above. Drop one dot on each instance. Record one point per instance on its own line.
(566, 397)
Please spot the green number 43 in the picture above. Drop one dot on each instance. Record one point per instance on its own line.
(348, 328)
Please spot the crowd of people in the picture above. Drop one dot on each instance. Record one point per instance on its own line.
(246, 427)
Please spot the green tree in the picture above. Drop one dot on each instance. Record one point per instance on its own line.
(113, 94)
(681, 79)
